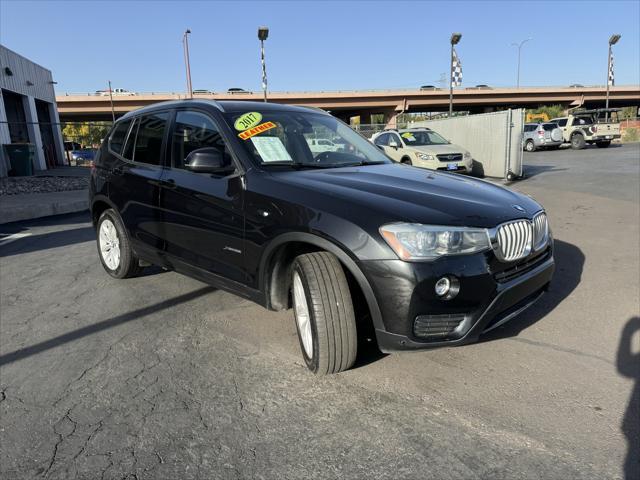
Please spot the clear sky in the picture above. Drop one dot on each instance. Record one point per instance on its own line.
(321, 45)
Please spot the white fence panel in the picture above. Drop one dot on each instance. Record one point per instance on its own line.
(494, 139)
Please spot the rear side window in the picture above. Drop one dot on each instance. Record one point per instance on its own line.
(148, 146)
(131, 141)
(382, 140)
(118, 136)
(530, 128)
(549, 126)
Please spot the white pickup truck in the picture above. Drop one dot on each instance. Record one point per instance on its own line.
(583, 127)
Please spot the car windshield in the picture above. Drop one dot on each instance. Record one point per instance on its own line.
(302, 139)
(549, 126)
(417, 138)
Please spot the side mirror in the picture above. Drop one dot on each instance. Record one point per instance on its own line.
(207, 160)
(393, 144)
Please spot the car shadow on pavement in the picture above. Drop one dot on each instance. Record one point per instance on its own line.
(100, 326)
(569, 265)
(628, 363)
(533, 170)
(45, 241)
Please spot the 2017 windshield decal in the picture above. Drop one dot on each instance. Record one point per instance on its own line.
(263, 127)
(248, 120)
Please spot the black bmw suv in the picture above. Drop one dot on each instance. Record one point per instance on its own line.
(244, 196)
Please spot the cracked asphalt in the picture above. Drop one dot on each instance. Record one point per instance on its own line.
(163, 377)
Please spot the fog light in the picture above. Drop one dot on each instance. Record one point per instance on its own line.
(447, 287)
(442, 286)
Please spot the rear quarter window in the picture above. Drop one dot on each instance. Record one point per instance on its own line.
(118, 136)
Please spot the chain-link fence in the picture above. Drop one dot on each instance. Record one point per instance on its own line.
(82, 139)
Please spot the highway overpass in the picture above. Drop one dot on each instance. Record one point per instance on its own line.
(364, 103)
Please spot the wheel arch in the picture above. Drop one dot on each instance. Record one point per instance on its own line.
(99, 204)
(278, 258)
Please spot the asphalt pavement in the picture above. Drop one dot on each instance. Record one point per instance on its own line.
(163, 377)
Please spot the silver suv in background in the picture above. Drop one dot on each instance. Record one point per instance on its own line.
(541, 135)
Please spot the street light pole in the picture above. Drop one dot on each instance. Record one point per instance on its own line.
(455, 38)
(519, 45)
(613, 39)
(185, 44)
(263, 34)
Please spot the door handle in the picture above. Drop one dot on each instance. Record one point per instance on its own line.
(168, 183)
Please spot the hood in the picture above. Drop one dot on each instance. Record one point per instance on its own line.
(399, 193)
(440, 149)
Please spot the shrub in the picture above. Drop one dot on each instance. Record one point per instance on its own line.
(631, 134)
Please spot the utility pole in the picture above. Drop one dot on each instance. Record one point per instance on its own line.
(185, 44)
(455, 38)
(519, 45)
(113, 113)
(263, 34)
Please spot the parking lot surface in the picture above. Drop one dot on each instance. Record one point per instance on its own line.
(163, 377)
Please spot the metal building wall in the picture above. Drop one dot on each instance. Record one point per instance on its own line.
(494, 139)
(34, 82)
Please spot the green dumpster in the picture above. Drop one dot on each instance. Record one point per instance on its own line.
(21, 158)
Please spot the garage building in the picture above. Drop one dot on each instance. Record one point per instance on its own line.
(28, 112)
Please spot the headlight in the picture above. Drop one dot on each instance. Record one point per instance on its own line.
(413, 241)
(467, 156)
(425, 156)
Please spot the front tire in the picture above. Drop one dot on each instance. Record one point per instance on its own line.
(324, 314)
(116, 255)
(406, 161)
(604, 144)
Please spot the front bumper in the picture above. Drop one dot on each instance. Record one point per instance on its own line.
(490, 295)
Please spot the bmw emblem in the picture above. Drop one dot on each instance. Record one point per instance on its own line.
(519, 208)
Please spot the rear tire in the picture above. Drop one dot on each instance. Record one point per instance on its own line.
(116, 255)
(529, 146)
(577, 141)
(604, 144)
(406, 161)
(324, 315)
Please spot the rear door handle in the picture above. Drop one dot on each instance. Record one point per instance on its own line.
(168, 183)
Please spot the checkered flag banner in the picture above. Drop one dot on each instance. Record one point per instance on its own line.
(456, 70)
(612, 80)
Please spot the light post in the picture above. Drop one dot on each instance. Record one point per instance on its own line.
(263, 33)
(519, 45)
(185, 45)
(455, 38)
(612, 41)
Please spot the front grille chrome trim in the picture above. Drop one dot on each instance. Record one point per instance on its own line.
(513, 240)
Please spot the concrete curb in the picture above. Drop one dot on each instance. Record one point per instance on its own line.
(15, 208)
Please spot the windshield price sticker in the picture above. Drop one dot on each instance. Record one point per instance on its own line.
(271, 149)
(409, 136)
(248, 120)
(263, 127)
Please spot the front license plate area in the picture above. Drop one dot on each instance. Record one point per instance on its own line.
(452, 166)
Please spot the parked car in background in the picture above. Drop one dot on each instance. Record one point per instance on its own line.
(317, 145)
(81, 157)
(582, 127)
(237, 90)
(202, 91)
(116, 92)
(541, 135)
(229, 193)
(424, 148)
(429, 87)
